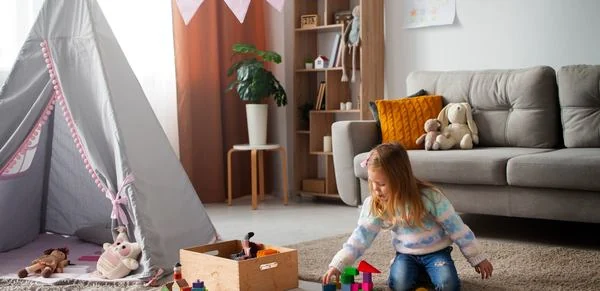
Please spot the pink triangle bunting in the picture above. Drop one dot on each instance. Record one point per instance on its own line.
(187, 9)
(277, 4)
(239, 8)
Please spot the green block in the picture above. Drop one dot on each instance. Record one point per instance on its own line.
(351, 271)
(346, 279)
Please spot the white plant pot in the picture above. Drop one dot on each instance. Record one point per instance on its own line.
(256, 116)
(308, 66)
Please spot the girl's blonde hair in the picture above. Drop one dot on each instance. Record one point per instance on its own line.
(404, 206)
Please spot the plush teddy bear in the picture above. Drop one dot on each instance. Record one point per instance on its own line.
(118, 258)
(432, 130)
(458, 127)
(53, 261)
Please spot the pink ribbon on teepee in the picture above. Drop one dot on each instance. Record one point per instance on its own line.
(118, 212)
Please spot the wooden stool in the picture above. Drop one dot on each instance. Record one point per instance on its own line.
(256, 165)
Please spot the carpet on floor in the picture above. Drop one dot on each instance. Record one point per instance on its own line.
(517, 265)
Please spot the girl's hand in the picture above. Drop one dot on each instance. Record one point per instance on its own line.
(484, 268)
(333, 272)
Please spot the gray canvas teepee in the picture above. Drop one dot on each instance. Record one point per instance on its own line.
(80, 144)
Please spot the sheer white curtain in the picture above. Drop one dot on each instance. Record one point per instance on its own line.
(143, 28)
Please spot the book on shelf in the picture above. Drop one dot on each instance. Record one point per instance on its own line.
(320, 96)
(338, 59)
(334, 50)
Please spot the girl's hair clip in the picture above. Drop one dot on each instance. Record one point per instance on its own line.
(365, 162)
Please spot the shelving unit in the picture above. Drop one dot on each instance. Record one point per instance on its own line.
(311, 164)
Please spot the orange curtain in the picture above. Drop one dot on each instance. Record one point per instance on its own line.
(210, 120)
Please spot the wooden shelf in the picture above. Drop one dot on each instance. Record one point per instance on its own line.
(310, 161)
(322, 28)
(318, 70)
(322, 153)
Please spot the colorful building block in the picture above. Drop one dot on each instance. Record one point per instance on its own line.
(198, 286)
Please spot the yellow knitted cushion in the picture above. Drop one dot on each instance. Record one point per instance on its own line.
(402, 119)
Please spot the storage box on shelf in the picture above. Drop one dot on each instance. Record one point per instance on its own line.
(211, 263)
(311, 162)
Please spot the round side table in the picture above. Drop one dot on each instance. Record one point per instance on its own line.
(257, 170)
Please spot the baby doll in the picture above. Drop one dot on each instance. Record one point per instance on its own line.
(53, 261)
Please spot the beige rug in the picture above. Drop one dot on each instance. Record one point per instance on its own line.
(517, 265)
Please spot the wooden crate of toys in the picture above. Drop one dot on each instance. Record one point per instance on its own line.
(228, 265)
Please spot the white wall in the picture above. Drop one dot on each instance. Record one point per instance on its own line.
(499, 34)
(144, 30)
(280, 39)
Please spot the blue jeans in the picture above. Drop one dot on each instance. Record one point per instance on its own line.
(407, 271)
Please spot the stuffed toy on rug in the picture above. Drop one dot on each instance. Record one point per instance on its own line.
(118, 258)
(53, 261)
(432, 130)
(458, 128)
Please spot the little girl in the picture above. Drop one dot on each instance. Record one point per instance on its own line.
(422, 220)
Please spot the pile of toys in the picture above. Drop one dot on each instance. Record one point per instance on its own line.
(180, 284)
(251, 250)
(346, 281)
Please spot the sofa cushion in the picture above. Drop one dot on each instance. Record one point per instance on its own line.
(512, 108)
(570, 168)
(579, 95)
(402, 119)
(375, 112)
(482, 166)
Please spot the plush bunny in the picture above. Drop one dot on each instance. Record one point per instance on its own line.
(53, 261)
(458, 128)
(432, 130)
(118, 258)
(351, 43)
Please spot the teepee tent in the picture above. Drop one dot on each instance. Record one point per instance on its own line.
(80, 144)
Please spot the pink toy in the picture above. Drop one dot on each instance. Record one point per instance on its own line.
(118, 258)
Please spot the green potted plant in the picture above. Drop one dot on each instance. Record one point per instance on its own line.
(254, 83)
(308, 63)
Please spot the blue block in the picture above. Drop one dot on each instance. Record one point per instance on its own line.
(198, 284)
(329, 287)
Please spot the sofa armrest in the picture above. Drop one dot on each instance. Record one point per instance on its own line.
(350, 138)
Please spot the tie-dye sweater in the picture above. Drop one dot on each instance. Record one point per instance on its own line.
(442, 227)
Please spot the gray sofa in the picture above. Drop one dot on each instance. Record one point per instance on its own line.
(539, 150)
